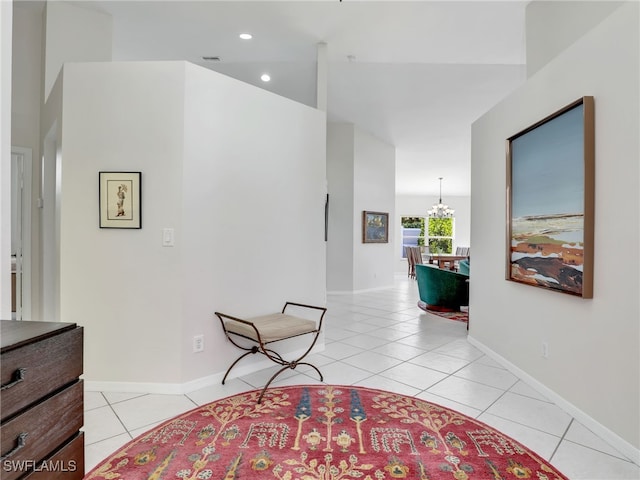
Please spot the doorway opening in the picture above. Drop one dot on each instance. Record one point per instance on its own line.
(21, 177)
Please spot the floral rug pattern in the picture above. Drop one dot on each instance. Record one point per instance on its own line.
(460, 316)
(323, 432)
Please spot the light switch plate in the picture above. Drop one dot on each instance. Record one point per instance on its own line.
(168, 237)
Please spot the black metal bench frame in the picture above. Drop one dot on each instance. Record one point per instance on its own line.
(261, 344)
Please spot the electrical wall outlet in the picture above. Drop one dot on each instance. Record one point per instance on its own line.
(198, 343)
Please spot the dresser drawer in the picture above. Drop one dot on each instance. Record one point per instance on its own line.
(46, 366)
(44, 427)
(65, 464)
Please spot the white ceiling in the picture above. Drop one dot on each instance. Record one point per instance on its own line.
(420, 72)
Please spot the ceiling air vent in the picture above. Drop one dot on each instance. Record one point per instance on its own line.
(211, 59)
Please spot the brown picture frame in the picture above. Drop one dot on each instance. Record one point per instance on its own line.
(375, 227)
(550, 201)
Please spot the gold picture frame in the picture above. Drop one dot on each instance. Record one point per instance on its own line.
(375, 227)
(550, 201)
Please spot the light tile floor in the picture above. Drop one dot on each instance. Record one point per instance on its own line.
(382, 340)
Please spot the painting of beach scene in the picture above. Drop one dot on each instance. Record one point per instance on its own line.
(550, 218)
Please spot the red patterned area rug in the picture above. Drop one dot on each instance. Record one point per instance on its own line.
(458, 316)
(323, 432)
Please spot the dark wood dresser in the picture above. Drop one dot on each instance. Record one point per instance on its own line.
(41, 401)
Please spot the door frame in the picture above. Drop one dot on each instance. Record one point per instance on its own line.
(23, 156)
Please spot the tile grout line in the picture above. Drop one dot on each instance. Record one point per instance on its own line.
(561, 439)
(370, 307)
(118, 417)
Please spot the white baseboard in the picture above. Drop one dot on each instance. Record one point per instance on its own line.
(620, 444)
(192, 385)
(133, 387)
(353, 292)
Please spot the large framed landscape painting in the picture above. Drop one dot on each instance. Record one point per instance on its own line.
(550, 201)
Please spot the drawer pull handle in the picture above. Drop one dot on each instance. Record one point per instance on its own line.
(21, 440)
(18, 376)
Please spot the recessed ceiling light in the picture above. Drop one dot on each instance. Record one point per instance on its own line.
(246, 36)
(265, 77)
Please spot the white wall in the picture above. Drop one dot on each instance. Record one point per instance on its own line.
(374, 190)
(361, 176)
(6, 15)
(65, 24)
(243, 193)
(122, 285)
(340, 180)
(26, 76)
(593, 367)
(44, 37)
(254, 181)
(25, 117)
(552, 26)
(417, 206)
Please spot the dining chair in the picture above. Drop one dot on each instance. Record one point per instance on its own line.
(462, 251)
(408, 252)
(414, 257)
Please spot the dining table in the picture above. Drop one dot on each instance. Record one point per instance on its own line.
(445, 260)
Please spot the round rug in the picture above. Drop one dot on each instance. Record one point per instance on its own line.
(323, 432)
(460, 316)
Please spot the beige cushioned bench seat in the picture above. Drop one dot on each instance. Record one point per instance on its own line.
(269, 329)
(273, 327)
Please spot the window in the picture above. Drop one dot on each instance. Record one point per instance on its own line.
(437, 233)
(412, 233)
(440, 235)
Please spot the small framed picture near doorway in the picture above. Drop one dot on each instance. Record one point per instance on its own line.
(120, 199)
(375, 227)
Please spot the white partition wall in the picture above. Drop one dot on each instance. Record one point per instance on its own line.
(374, 190)
(340, 177)
(26, 99)
(553, 26)
(237, 172)
(5, 152)
(593, 364)
(361, 176)
(64, 24)
(252, 229)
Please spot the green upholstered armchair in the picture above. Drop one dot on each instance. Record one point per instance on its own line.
(463, 266)
(441, 289)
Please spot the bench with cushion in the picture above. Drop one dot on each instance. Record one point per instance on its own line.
(269, 329)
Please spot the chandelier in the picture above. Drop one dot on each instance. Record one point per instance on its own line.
(440, 210)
